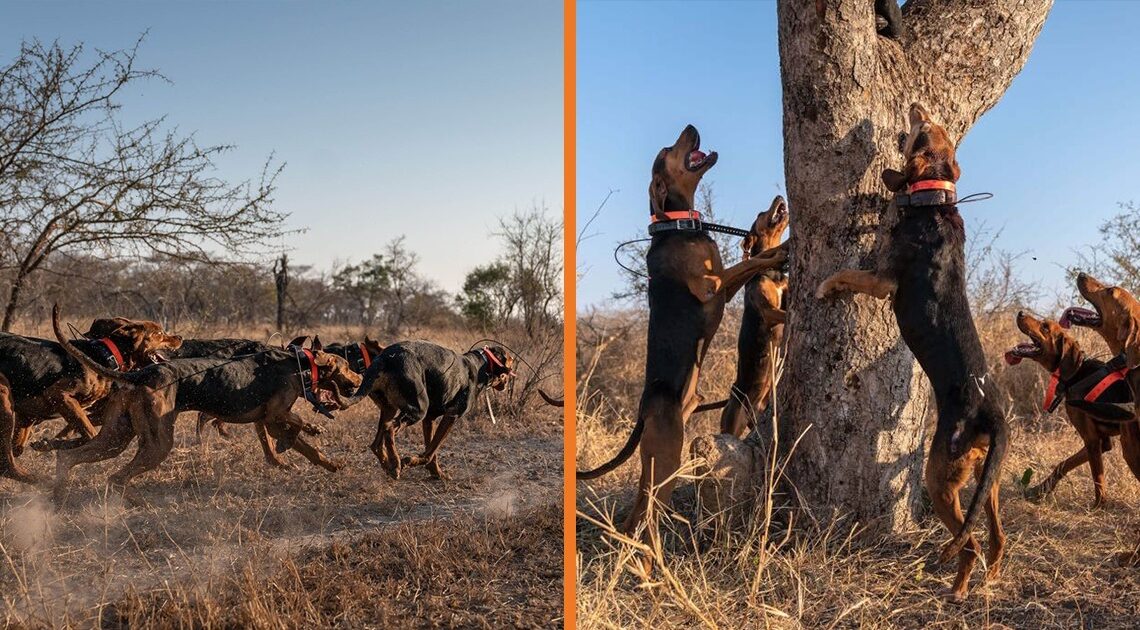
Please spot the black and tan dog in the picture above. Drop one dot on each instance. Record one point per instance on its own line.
(761, 328)
(358, 355)
(42, 382)
(924, 272)
(418, 381)
(257, 388)
(1083, 384)
(688, 286)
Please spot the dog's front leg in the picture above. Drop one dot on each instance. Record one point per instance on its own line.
(735, 277)
(857, 281)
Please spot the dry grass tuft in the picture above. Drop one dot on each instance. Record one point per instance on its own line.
(1059, 571)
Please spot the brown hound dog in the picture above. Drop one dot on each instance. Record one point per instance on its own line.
(1117, 320)
(41, 382)
(688, 286)
(1053, 349)
(761, 328)
(258, 388)
(924, 272)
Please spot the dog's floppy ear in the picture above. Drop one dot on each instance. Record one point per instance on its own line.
(298, 341)
(1129, 338)
(894, 180)
(1070, 354)
(316, 345)
(658, 191)
(105, 327)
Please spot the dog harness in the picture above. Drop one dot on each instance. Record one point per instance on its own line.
(310, 379)
(1104, 393)
(357, 356)
(109, 353)
(928, 192)
(689, 221)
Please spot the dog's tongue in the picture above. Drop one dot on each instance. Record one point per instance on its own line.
(1066, 320)
(1011, 358)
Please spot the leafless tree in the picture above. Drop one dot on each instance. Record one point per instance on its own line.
(532, 243)
(846, 90)
(75, 178)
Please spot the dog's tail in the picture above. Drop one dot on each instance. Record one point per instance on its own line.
(550, 400)
(367, 382)
(999, 442)
(654, 395)
(84, 360)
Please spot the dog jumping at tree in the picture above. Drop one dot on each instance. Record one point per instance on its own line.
(923, 272)
(687, 288)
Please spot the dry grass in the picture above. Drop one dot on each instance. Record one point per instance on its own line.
(215, 538)
(1059, 571)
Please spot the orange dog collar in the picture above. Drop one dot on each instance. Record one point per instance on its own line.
(677, 215)
(931, 184)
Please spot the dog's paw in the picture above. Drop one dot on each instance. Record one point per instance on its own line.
(825, 290)
(311, 429)
(954, 597)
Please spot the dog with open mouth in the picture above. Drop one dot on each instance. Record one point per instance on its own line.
(1085, 386)
(924, 274)
(687, 289)
(42, 382)
(1115, 316)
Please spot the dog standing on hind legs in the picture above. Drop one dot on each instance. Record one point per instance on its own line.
(923, 271)
(688, 287)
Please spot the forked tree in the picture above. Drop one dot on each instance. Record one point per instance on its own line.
(851, 388)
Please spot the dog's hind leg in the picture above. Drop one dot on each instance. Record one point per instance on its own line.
(1130, 447)
(156, 439)
(944, 479)
(314, 454)
(8, 431)
(74, 414)
(996, 544)
(428, 457)
(661, 446)
(269, 449)
(116, 435)
(1096, 464)
(1046, 487)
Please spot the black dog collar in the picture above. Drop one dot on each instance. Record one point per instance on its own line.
(690, 221)
(357, 356)
(309, 380)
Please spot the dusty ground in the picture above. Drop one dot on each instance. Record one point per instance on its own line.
(1059, 572)
(217, 538)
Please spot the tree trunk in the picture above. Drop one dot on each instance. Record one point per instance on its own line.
(281, 280)
(13, 302)
(851, 387)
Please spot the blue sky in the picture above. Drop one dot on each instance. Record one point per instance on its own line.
(1059, 151)
(428, 119)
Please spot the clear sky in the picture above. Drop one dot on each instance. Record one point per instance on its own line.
(1058, 151)
(428, 119)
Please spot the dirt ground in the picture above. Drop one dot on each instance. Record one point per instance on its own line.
(215, 537)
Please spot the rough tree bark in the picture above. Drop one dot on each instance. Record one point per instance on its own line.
(848, 375)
